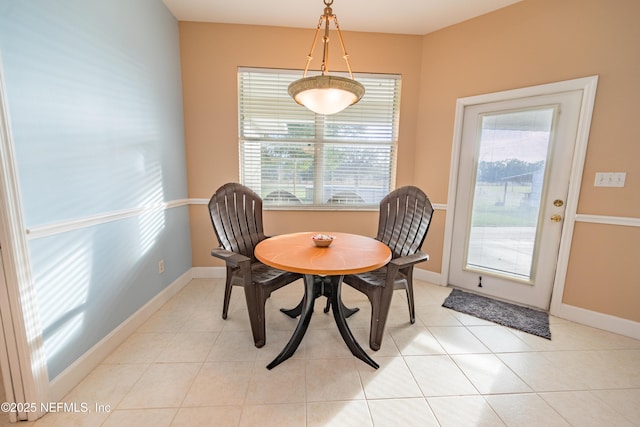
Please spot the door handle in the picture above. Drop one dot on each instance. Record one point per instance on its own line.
(556, 218)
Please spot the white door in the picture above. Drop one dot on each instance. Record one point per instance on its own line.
(513, 179)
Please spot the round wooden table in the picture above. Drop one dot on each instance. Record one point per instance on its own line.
(323, 270)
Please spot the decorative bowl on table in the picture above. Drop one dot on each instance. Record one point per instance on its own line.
(322, 240)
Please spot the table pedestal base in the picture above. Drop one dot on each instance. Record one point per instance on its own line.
(313, 288)
(322, 288)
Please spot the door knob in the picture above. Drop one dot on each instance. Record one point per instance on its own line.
(556, 218)
(558, 203)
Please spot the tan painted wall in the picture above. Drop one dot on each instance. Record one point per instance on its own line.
(532, 42)
(603, 257)
(211, 54)
(542, 41)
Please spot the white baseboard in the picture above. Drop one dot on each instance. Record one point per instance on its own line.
(427, 276)
(594, 319)
(70, 377)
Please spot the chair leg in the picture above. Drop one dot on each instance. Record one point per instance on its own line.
(380, 303)
(227, 294)
(374, 339)
(410, 298)
(255, 306)
(410, 302)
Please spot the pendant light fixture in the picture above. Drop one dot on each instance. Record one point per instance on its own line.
(325, 94)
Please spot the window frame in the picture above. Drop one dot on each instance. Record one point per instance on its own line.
(326, 137)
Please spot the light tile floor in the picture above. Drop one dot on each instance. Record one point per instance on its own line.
(187, 367)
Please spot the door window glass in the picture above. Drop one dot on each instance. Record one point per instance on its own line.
(510, 167)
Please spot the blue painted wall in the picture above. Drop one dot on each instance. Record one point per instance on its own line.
(95, 105)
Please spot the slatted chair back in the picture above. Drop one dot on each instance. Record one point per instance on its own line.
(405, 216)
(236, 214)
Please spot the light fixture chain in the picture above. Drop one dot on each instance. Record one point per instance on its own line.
(313, 46)
(325, 94)
(345, 55)
(325, 42)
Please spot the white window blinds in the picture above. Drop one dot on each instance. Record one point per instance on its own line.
(291, 156)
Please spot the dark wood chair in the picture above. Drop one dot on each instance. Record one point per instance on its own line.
(405, 216)
(236, 215)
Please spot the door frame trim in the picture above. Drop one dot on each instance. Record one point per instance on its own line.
(588, 86)
(24, 345)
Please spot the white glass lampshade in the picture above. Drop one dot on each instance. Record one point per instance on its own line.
(326, 94)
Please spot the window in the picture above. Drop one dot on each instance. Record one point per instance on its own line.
(293, 157)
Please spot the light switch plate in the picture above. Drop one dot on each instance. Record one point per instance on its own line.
(610, 179)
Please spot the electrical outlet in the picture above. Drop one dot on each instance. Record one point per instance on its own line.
(161, 266)
(610, 179)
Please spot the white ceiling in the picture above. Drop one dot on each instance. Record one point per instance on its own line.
(396, 16)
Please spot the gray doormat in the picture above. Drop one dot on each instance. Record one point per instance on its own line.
(503, 313)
